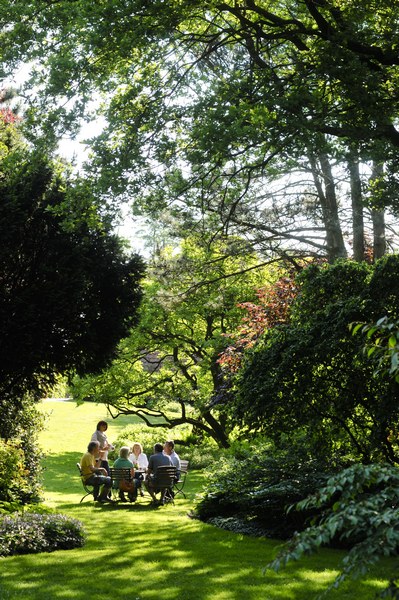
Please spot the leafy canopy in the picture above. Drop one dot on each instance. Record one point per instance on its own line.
(167, 370)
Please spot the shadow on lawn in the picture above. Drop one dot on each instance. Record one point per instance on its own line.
(184, 562)
(182, 559)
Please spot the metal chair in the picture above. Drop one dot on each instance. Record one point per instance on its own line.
(179, 485)
(89, 489)
(163, 482)
(123, 474)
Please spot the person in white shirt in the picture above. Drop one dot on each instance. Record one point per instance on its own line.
(140, 461)
(169, 450)
(100, 436)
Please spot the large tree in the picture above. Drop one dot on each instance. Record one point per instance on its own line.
(68, 290)
(244, 96)
(167, 371)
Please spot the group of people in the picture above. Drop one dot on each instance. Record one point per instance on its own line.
(96, 471)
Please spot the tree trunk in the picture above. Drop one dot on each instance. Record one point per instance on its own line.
(357, 210)
(219, 433)
(378, 219)
(328, 202)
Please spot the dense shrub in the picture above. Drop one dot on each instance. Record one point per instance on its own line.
(13, 507)
(27, 533)
(258, 488)
(13, 472)
(311, 373)
(359, 509)
(199, 456)
(20, 455)
(19, 471)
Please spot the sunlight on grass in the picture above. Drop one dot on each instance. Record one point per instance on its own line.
(66, 421)
(137, 552)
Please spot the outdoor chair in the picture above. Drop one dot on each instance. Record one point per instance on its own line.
(163, 482)
(179, 485)
(89, 489)
(118, 475)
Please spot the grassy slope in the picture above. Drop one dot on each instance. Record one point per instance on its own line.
(136, 552)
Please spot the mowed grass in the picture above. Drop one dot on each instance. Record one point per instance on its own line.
(137, 552)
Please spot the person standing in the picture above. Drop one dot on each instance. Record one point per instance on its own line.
(94, 475)
(100, 436)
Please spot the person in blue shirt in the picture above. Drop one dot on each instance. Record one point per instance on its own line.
(158, 459)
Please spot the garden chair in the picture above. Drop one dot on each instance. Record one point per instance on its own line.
(179, 485)
(163, 482)
(89, 489)
(118, 476)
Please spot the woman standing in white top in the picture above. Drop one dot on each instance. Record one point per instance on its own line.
(100, 436)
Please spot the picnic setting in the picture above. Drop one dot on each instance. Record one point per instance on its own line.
(199, 300)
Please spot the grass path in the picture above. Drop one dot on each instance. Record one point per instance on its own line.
(137, 552)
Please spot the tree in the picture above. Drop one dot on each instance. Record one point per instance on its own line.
(271, 309)
(310, 375)
(243, 96)
(167, 371)
(68, 290)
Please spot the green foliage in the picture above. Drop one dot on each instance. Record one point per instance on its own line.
(381, 345)
(310, 375)
(28, 533)
(209, 103)
(147, 437)
(20, 477)
(68, 291)
(13, 478)
(360, 509)
(200, 455)
(167, 371)
(14, 507)
(258, 485)
(20, 455)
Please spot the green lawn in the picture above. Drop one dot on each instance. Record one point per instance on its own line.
(137, 552)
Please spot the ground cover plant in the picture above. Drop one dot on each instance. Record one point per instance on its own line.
(139, 553)
(31, 532)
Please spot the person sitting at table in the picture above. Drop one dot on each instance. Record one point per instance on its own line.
(158, 459)
(169, 450)
(140, 461)
(124, 463)
(100, 436)
(95, 475)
